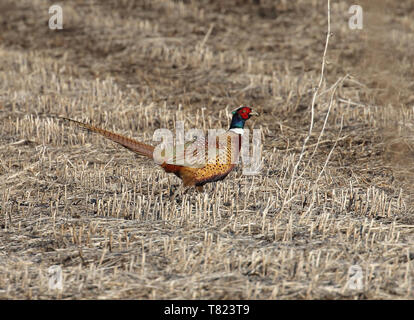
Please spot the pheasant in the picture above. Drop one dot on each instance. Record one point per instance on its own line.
(196, 173)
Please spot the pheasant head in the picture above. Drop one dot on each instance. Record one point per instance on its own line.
(240, 116)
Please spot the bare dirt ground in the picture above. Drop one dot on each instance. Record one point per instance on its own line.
(104, 215)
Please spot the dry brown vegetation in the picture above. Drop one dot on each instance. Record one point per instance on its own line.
(104, 215)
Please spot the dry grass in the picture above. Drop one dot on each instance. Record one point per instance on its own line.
(73, 199)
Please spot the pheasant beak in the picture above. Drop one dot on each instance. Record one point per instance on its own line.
(253, 113)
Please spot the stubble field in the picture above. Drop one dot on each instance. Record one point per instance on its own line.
(105, 215)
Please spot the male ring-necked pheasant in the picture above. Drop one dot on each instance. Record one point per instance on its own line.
(198, 174)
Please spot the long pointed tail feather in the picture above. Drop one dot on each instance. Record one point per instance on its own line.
(131, 144)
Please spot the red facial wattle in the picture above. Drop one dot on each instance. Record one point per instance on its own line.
(244, 113)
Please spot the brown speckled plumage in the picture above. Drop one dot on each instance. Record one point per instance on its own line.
(196, 175)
